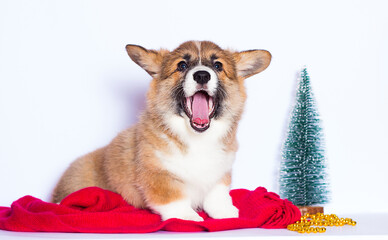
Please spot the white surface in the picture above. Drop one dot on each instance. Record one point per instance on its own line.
(67, 85)
(369, 226)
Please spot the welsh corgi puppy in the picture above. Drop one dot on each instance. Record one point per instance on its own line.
(178, 158)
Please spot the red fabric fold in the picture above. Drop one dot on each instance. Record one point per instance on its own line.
(94, 210)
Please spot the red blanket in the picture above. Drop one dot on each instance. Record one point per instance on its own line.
(94, 210)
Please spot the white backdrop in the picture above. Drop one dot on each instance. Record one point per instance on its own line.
(67, 85)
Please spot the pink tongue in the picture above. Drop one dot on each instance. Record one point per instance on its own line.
(200, 108)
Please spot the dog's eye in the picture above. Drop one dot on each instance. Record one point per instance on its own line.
(182, 66)
(218, 66)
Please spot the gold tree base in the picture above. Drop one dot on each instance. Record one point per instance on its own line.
(310, 209)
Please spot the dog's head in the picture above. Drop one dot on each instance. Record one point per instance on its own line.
(198, 81)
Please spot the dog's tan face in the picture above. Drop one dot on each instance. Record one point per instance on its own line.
(199, 81)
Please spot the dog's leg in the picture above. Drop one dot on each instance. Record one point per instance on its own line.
(218, 203)
(164, 194)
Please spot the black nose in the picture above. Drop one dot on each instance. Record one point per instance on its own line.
(201, 77)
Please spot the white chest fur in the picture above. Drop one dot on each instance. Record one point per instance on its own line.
(204, 163)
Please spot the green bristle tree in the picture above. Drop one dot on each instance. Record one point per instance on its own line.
(303, 178)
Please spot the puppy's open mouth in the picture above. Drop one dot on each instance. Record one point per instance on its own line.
(200, 109)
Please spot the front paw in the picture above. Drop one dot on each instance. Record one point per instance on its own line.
(180, 209)
(218, 203)
(219, 212)
(186, 215)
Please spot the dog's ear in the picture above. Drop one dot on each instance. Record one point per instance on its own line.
(251, 62)
(149, 60)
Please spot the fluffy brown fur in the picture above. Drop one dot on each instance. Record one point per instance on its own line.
(130, 165)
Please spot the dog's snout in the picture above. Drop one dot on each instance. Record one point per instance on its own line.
(201, 77)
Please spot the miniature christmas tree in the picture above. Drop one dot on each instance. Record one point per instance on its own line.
(303, 178)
